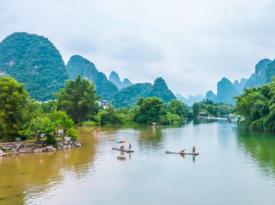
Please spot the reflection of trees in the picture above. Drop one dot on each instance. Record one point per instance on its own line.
(260, 147)
(30, 174)
(150, 136)
(197, 121)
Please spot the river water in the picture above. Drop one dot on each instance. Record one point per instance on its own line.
(234, 167)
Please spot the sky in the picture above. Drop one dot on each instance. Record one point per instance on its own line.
(191, 44)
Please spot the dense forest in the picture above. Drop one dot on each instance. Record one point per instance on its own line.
(257, 106)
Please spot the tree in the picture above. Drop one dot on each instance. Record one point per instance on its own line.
(257, 106)
(61, 120)
(178, 108)
(41, 125)
(109, 116)
(195, 108)
(171, 119)
(13, 99)
(149, 110)
(78, 99)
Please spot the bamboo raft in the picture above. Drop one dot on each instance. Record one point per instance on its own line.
(182, 153)
(122, 150)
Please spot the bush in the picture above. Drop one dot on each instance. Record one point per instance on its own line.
(72, 133)
(51, 140)
(89, 123)
(109, 116)
(171, 119)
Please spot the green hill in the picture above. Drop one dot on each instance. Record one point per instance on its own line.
(34, 61)
(129, 96)
(77, 65)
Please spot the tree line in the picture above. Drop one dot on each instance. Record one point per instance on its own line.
(78, 104)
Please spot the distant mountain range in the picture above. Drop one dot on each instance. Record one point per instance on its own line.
(115, 79)
(191, 99)
(34, 61)
(227, 91)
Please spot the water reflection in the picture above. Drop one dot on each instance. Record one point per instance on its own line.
(124, 156)
(150, 137)
(25, 176)
(261, 147)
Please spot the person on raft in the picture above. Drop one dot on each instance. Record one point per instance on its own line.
(194, 150)
(182, 151)
(130, 146)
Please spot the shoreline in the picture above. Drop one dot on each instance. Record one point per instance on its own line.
(15, 148)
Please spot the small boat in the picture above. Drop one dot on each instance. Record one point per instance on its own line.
(182, 153)
(122, 150)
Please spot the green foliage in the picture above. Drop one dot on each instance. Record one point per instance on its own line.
(21, 116)
(51, 140)
(109, 116)
(171, 119)
(160, 90)
(61, 120)
(179, 108)
(41, 125)
(90, 123)
(34, 61)
(13, 99)
(257, 105)
(79, 66)
(149, 110)
(196, 109)
(129, 96)
(49, 106)
(72, 133)
(212, 109)
(78, 100)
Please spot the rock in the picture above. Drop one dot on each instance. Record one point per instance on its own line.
(50, 149)
(77, 144)
(43, 149)
(26, 150)
(29, 145)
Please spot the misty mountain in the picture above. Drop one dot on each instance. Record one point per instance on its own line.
(115, 79)
(226, 90)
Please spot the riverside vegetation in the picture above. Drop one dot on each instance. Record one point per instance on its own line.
(77, 104)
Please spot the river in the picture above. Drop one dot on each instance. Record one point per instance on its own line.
(234, 167)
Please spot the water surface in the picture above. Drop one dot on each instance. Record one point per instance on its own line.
(234, 167)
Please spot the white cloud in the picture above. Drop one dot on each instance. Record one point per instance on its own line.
(192, 44)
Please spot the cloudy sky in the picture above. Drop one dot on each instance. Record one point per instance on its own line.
(192, 44)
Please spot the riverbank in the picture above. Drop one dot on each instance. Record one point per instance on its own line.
(35, 147)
